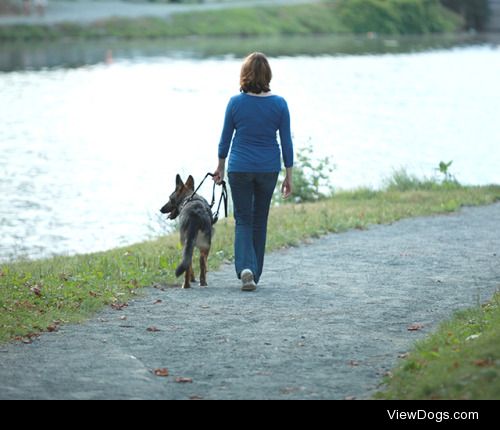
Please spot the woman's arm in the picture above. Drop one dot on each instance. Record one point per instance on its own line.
(224, 143)
(287, 151)
(286, 136)
(227, 132)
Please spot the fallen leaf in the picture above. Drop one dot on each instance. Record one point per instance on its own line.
(152, 328)
(157, 301)
(353, 363)
(404, 355)
(195, 397)
(52, 327)
(182, 380)
(118, 306)
(161, 372)
(484, 362)
(36, 290)
(415, 327)
(288, 390)
(123, 318)
(27, 339)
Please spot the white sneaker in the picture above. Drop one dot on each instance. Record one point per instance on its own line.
(248, 281)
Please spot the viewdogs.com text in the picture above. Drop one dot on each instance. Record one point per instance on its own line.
(437, 416)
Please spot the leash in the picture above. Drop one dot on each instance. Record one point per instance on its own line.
(223, 197)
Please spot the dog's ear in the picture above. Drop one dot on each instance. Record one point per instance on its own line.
(190, 183)
(178, 182)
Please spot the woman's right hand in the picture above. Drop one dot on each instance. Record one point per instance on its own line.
(219, 172)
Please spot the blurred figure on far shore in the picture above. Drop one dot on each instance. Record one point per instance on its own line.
(41, 6)
(109, 57)
(27, 7)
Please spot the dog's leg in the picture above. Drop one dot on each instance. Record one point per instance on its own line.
(187, 277)
(193, 279)
(203, 267)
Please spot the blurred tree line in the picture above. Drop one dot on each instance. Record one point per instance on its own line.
(7, 6)
(413, 16)
(475, 12)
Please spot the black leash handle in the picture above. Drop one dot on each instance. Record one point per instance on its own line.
(222, 197)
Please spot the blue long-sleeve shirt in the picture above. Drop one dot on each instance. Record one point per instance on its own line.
(255, 146)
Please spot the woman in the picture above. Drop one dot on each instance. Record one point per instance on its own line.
(254, 117)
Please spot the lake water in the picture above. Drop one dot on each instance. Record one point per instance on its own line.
(89, 154)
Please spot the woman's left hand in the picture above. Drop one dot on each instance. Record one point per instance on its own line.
(286, 187)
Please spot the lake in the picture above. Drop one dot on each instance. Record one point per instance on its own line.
(89, 149)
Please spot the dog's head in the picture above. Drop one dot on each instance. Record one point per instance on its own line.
(181, 193)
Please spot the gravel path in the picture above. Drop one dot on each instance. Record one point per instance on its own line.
(328, 320)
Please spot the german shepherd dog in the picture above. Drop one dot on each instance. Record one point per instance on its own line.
(195, 221)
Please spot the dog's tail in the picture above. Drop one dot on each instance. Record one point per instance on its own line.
(187, 255)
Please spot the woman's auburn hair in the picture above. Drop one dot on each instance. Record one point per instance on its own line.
(255, 74)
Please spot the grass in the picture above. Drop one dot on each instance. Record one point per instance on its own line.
(401, 180)
(37, 296)
(266, 21)
(315, 18)
(461, 360)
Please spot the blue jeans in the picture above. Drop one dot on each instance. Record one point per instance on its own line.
(252, 193)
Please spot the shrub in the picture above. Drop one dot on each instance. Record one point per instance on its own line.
(311, 178)
(475, 12)
(397, 16)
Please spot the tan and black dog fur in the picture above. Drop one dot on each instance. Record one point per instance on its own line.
(195, 223)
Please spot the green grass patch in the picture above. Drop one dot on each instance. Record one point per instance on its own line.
(328, 17)
(461, 360)
(268, 20)
(36, 296)
(401, 180)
